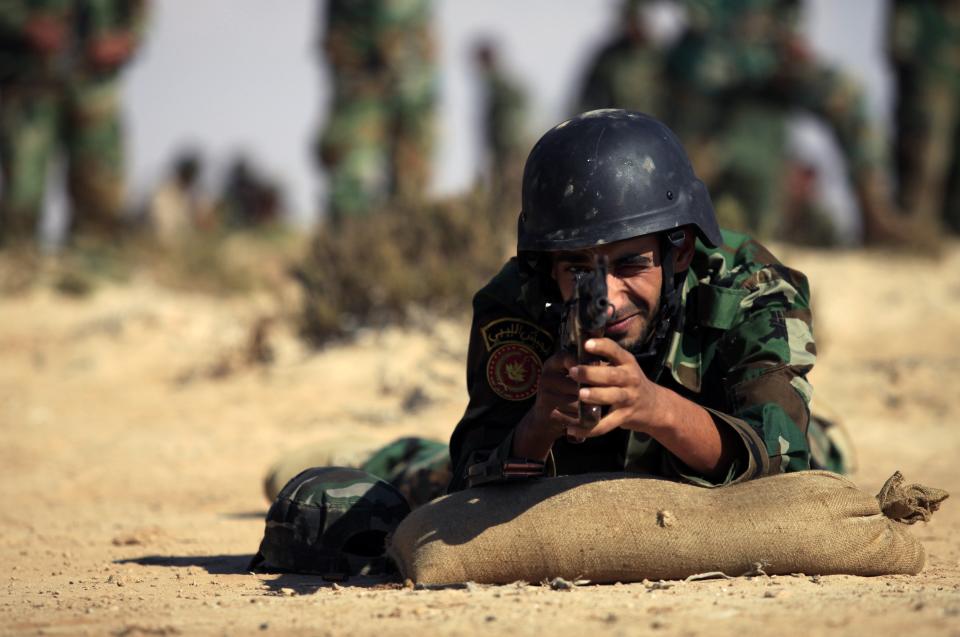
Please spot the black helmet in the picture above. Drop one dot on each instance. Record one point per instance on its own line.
(608, 175)
(333, 521)
(605, 176)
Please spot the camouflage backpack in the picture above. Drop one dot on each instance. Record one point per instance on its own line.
(332, 521)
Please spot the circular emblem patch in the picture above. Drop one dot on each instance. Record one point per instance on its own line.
(513, 371)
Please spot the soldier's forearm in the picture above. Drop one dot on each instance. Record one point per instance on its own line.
(690, 433)
(532, 441)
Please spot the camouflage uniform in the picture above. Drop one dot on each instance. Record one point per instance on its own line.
(64, 97)
(417, 467)
(503, 122)
(737, 75)
(743, 353)
(627, 72)
(924, 49)
(378, 138)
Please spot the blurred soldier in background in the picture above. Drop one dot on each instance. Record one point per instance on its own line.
(249, 197)
(177, 208)
(924, 49)
(627, 72)
(378, 138)
(503, 122)
(59, 65)
(737, 74)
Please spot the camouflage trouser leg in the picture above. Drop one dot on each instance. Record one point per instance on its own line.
(830, 446)
(419, 468)
(411, 76)
(842, 103)
(928, 121)
(94, 141)
(750, 169)
(412, 149)
(29, 124)
(412, 156)
(353, 149)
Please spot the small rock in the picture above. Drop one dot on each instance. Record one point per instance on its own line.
(657, 586)
(264, 626)
(666, 519)
(287, 592)
(560, 584)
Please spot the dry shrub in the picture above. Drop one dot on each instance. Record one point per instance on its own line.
(373, 270)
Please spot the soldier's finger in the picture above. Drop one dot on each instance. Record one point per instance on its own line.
(559, 363)
(600, 375)
(564, 421)
(603, 395)
(606, 424)
(566, 403)
(554, 386)
(610, 350)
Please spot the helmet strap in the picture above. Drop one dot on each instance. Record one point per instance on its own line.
(669, 318)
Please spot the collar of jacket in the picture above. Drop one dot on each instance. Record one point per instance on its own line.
(705, 307)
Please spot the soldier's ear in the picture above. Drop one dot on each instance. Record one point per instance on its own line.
(684, 253)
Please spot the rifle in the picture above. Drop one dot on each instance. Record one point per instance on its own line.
(584, 317)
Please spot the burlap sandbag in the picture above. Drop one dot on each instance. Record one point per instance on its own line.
(626, 528)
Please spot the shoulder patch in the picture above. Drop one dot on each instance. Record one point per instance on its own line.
(514, 330)
(517, 349)
(513, 371)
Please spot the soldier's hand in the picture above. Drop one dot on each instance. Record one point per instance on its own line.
(45, 34)
(556, 405)
(554, 411)
(621, 385)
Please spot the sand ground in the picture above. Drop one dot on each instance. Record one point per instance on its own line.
(137, 425)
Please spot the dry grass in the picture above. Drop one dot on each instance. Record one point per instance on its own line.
(379, 269)
(373, 270)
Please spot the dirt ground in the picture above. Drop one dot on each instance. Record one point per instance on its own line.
(138, 422)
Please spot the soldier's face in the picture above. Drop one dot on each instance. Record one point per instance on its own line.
(634, 277)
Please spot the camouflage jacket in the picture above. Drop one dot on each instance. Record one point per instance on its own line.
(84, 22)
(743, 353)
(924, 38)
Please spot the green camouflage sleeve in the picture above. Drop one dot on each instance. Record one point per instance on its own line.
(761, 362)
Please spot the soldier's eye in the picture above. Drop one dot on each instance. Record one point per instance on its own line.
(631, 269)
